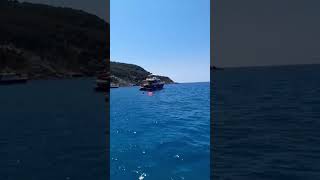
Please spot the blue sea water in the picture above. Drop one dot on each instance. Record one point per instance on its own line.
(160, 135)
(266, 123)
(52, 130)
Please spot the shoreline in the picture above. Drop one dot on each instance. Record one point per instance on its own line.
(66, 78)
(268, 66)
(165, 84)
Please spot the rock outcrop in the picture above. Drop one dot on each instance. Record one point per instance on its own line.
(51, 42)
(129, 74)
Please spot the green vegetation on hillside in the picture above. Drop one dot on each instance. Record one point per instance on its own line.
(130, 74)
(54, 42)
(46, 41)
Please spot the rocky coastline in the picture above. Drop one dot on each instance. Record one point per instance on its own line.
(124, 74)
(47, 42)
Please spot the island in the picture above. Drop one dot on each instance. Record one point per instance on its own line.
(124, 74)
(46, 42)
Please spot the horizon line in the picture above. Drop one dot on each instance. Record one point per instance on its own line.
(190, 82)
(267, 65)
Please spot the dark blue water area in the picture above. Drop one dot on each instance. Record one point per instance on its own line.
(54, 129)
(266, 123)
(160, 135)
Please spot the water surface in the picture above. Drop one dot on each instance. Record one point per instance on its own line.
(266, 123)
(53, 129)
(160, 135)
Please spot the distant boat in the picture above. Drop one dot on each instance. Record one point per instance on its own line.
(13, 78)
(215, 68)
(152, 83)
(112, 85)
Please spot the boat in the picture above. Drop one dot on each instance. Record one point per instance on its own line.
(152, 83)
(13, 78)
(112, 85)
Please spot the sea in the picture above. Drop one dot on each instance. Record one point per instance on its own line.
(160, 135)
(53, 130)
(266, 123)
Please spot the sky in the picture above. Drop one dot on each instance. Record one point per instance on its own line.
(96, 7)
(165, 37)
(270, 32)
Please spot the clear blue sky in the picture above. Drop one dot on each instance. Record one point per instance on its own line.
(166, 37)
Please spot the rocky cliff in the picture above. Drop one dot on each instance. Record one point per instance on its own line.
(51, 42)
(130, 74)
